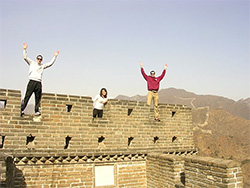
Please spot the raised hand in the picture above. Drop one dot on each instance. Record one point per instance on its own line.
(165, 66)
(25, 46)
(56, 53)
(141, 64)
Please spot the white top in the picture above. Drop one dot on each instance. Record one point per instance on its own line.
(35, 70)
(99, 102)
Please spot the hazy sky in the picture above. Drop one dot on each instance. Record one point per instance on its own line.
(101, 42)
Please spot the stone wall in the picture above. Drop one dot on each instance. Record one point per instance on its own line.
(164, 170)
(77, 174)
(66, 124)
(212, 172)
(64, 146)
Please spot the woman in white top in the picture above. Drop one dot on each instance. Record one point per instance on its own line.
(99, 102)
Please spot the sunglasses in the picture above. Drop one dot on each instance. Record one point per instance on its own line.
(40, 59)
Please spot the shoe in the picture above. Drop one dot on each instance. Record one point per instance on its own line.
(37, 114)
(157, 119)
(22, 113)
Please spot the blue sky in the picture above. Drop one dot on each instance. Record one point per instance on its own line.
(101, 42)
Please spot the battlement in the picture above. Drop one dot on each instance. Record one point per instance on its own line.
(66, 147)
(66, 125)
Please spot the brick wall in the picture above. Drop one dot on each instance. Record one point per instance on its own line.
(164, 170)
(132, 175)
(64, 146)
(77, 175)
(74, 175)
(123, 133)
(212, 172)
(65, 140)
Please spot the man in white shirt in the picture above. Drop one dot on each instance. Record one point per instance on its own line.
(35, 79)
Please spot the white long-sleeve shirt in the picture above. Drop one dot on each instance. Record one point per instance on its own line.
(36, 70)
(99, 102)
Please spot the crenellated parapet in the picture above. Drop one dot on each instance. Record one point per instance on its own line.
(66, 147)
(66, 125)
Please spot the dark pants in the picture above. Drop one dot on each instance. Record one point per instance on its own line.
(33, 87)
(97, 113)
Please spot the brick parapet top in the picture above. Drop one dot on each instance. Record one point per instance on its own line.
(10, 92)
(17, 93)
(55, 95)
(210, 161)
(162, 105)
(163, 156)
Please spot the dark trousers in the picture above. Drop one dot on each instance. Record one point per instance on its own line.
(33, 87)
(97, 113)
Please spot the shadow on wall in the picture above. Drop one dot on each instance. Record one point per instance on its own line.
(183, 178)
(14, 176)
(181, 184)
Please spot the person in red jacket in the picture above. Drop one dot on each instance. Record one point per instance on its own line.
(153, 87)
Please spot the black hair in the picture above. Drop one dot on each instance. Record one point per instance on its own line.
(151, 72)
(105, 96)
(39, 56)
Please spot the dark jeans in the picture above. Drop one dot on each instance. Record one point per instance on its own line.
(33, 87)
(97, 113)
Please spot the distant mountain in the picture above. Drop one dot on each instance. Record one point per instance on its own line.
(134, 98)
(240, 108)
(217, 133)
(223, 135)
(247, 101)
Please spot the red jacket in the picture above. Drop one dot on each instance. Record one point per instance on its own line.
(153, 83)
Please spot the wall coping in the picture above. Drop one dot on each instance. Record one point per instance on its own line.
(210, 161)
(45, 95)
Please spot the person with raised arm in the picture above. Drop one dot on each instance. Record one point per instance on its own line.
(36, 69)
(153, 84)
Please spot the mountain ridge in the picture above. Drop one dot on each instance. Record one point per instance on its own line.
(172, 95)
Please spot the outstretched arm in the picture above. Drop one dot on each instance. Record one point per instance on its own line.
(47, 65)
(163, 72)
(142, 71)
(95, 98)
(105, 101)
(25, 46)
